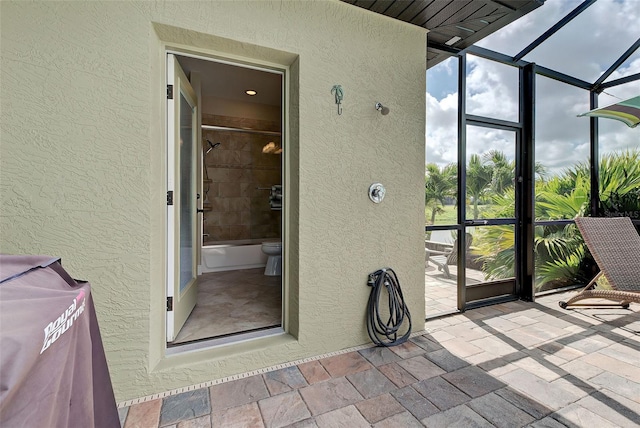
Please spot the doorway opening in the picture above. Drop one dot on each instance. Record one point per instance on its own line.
(475, 203)
(225, 180)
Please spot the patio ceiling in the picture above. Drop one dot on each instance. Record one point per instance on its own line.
(452, 24)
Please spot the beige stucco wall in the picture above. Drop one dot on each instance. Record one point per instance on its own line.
(82, 164)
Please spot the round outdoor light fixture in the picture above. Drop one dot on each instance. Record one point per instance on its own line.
(251, 92)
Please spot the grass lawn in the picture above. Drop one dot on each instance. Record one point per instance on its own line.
(448, 217)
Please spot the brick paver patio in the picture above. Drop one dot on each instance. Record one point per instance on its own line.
(509, 365)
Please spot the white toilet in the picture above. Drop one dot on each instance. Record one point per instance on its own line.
(274, 262)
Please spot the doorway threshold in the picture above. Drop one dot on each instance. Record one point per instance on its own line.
(198, 345)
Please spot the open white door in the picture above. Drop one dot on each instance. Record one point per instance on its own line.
(182, 188)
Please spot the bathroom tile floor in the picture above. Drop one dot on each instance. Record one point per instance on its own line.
(508, 365)
(232, 302)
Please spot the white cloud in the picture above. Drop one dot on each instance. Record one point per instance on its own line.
(492, 89)
(442, 129)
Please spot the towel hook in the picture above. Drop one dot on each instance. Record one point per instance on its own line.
(339, 94)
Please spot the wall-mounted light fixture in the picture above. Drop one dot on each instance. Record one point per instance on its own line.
(272, 148)
(382, 109)
(250, 92)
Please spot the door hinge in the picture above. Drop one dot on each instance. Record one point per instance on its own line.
(169, 304)
(170, 197)
(169, 92)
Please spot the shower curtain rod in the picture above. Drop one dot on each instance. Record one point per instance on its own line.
(251, 131)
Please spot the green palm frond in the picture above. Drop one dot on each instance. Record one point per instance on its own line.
(560, 271)
(620, 172)
(556, 242)
(495, 248)
(560, 254)
(553, 205)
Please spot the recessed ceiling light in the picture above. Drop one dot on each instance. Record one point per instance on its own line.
(251, 92)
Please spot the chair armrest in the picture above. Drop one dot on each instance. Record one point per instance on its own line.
(436, 252)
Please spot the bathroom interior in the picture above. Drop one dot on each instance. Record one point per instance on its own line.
(240, 271)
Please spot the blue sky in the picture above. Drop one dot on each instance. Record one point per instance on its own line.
(442, 79)
(584, 49)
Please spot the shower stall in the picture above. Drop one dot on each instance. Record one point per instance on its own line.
(241, 166)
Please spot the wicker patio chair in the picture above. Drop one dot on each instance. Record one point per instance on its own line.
(615, 246)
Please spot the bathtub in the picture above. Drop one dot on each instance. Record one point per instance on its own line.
(232, 255)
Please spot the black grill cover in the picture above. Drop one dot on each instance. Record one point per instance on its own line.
(53, 371)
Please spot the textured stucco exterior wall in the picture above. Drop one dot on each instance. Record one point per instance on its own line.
(82, 161)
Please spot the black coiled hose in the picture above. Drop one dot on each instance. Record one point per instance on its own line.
(385, 333)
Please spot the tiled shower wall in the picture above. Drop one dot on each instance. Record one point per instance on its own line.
(238, 206)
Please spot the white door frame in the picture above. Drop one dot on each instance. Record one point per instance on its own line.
(257, 65)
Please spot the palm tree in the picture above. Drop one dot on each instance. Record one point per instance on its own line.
(495, 244)
(439, 184)
(503, 170)
(479, 178)
(560, 255)
(620, 184)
